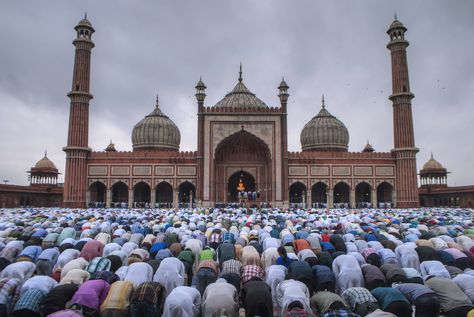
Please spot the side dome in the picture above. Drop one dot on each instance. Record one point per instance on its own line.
(433, 165)
(45, 164)
(241, 97)
(156, 132)
(324, 133)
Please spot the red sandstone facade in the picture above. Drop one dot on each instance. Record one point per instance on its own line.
(240, 139)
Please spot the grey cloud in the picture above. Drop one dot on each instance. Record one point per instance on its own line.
(335, 48)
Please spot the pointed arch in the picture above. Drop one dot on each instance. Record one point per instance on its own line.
(186, 190)
(141, 193)
(384, 193)
(98, 193)
(119, 193)
(297, 195)
(363, 192)
(164, 194)
(319, 195)
(341, 194)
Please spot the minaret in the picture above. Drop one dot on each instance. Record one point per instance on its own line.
(404, 140)
(77, 149)
(283, 95)
(200, 96)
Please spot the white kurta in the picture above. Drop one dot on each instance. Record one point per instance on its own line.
(170, 274)
(275, 274)
(289, 291)
(183, 301)
(138, 273)
(220, 299)
(348, 273)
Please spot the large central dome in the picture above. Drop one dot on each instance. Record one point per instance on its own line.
(241, 97)
(324, 133)
(156, 132)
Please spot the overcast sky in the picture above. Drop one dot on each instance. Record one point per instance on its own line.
(148, 47)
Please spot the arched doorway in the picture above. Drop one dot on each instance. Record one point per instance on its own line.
(318, 195)
(362, 195)
(98, 193)
(298, 195)
(247, 182)
(141, 195)
(164, 195)
(384, 194)
(341, 195)
(119, 194)
(186, 189)
(245, 152)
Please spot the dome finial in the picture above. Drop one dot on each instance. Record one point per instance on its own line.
(324, 106)
(157, 101)
(395, 15)
(240, 73)
(432, 155)
(45, 153)
(85, 14)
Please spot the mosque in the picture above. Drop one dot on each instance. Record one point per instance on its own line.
(242, 153)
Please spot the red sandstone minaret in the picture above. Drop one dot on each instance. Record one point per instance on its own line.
(77, 149)
(404, 140)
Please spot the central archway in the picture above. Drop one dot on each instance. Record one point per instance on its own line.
(246, 154)
(247, 180)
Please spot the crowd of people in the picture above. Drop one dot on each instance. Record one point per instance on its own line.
(235, 262)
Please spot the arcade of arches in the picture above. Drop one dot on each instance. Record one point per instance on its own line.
(141, 195)
(320, 195)
(341, 196)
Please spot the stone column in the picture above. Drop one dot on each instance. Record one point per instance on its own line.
(373, 198)
(330, 198)
(175, 199)
(191, 197)
(309, 198)
(153, 198)
(352, 198)
(88, 197)
(108, 198)
(304, 199)
(130, 198)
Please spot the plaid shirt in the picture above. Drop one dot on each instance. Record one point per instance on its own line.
(250, 271)
(367, 251)
(7, 289)
(98, 264)
(357, 295)
(231, 267)
(30, 300)
(228, 237)
(210, 264)
(150, 292)
(340, 313)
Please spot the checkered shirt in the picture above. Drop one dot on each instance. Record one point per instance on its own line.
(98, 264)
(357, 295)
(30, 300)
(231, 267)
(149, 292)
(250, 271)
(366, 252)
